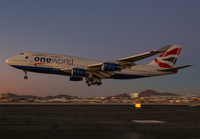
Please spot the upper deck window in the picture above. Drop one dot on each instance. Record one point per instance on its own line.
(21, 53)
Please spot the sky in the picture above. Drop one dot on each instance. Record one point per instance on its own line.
(99, 30)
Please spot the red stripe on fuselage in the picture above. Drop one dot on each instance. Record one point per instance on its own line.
(39, 63)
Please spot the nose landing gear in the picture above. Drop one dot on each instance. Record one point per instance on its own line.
(25, 76)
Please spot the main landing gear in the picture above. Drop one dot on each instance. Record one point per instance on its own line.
(25, 76)
(90, 82)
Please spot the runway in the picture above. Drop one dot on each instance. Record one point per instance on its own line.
(99, 121)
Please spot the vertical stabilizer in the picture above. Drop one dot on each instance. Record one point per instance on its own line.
(168, 58)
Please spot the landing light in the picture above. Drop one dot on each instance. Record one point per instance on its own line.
(154, 50)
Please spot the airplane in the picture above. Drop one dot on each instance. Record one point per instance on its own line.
(94, 71)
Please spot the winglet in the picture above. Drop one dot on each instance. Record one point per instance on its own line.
(164, 48)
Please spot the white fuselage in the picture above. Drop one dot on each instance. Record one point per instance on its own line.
(53, 63)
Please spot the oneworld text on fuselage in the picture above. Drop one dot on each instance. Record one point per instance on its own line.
(54, 60)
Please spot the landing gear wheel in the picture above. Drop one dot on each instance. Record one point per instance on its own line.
(89, 85)
(25, 77)
(99, 83)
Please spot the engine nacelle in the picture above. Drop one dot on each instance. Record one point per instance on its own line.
(110, 67)
(78, 72)
(75, 79)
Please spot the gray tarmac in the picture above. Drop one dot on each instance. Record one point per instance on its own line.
(42, 121)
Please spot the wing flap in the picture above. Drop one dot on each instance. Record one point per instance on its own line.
(100, 75)
(105, 74)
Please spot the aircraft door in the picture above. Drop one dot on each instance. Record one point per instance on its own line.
(31, 61)
(149, 72)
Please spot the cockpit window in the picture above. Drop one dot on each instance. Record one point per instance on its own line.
(21, 53)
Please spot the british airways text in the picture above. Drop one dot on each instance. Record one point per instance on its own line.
(54, 60)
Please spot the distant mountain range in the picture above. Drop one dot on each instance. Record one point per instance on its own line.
(58, 96)
(30, 96)
(146, 93)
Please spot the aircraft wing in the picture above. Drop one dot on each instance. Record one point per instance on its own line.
(102, 74)
(128, 61)
(98, 73)
(66, 69)
(143, 55)
(94, 67)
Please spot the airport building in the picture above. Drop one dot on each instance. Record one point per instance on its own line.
(4, 97)
(134, 95)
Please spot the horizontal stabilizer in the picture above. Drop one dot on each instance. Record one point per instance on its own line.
(175, 68)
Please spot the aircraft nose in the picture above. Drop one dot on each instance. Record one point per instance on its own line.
(7, 61)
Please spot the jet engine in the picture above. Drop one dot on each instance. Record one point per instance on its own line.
(110, 67)
(78, 72)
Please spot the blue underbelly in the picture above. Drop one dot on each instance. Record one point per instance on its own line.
(58, 71)
(42, 70)
(126, 76)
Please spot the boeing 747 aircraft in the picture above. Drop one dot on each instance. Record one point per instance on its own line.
(95, 71)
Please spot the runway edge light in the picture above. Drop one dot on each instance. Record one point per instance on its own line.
(138, 105)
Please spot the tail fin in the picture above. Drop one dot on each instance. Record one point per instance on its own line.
(168, 58)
